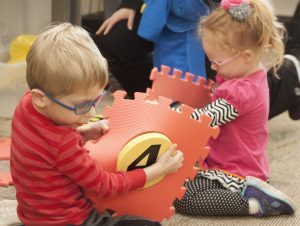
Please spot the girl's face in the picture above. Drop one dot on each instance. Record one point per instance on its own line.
(227, 64)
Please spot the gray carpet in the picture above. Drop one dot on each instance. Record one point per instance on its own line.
(284, 155)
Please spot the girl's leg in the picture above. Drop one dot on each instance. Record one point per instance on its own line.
(208, 198)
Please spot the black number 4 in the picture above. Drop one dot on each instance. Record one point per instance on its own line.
(152, 153)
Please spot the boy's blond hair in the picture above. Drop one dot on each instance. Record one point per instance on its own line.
(64, 59)
(257, 32)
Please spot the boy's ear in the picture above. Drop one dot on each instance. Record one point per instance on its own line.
(38, 98)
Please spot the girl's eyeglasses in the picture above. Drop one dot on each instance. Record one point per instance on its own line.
(219, 64)
(79, 109)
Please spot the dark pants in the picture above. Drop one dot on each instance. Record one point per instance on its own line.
(204, 197)
(130, 62)
(129, 56)
(282, 91)
(105, 219)
(293, 28)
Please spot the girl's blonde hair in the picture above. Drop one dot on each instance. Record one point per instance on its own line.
(64, 59)
(259, 31)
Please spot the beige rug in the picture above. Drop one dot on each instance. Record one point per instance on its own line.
(284, 155)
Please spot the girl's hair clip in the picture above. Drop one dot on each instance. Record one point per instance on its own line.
(240, 10)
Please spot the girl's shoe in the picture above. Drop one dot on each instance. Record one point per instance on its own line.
(272, 201)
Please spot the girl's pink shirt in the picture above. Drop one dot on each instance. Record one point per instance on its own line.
(241, 145)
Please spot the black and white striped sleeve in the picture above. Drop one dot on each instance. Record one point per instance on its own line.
(220, 111)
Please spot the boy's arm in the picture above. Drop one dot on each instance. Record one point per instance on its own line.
(93, 130)
(74, 162)
(168, 163)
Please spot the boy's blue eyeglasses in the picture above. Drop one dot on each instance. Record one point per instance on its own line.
(79, 109)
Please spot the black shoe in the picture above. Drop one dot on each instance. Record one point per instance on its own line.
(293, 63)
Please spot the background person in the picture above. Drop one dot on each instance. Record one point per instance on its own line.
(130, 58)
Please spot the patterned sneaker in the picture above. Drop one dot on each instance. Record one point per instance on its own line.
(294, 111)
(271, 200)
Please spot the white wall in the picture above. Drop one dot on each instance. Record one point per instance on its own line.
(91, 6)
(23, 17)
(30, 16)
(285, 7)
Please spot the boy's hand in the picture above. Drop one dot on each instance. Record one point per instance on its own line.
(93, 130)
(169, 162)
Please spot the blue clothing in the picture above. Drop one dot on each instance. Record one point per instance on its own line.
(172, 26)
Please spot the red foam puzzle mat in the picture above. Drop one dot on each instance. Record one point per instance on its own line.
(4, 148)
(131, 119)
(195, 94)
(5, 179)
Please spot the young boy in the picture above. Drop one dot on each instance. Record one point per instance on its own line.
(49, 165)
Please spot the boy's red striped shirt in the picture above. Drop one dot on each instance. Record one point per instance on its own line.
(51, 168)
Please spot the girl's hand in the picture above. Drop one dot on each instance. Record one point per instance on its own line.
(121, 14)
(93, 130)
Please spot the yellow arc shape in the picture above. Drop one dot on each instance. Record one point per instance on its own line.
(143, 151)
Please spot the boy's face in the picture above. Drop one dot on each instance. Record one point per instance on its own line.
(66, 117)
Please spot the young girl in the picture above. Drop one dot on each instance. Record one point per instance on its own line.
(235, 38)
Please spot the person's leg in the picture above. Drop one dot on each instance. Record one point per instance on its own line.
(285, 92)
(105, 219)
(293, 28)
(128, 55)
(96, 219)
(206, 197)
(132, 221)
